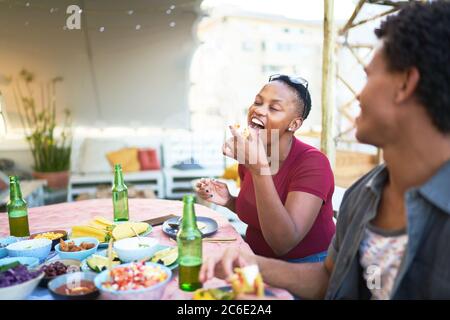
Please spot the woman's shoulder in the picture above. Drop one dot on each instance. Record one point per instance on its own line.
(305, 153)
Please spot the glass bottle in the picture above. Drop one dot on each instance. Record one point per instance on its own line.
(17, 210)
(189, 240)
(120, 195)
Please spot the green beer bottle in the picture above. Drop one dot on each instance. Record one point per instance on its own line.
(189, 240)
(120, 195)
(17, 210)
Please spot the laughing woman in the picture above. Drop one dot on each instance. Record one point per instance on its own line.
(288, 210)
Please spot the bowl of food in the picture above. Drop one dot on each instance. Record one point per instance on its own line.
(134, 249)
(74, 286)
(17, 281)
(38, 248)
(54, 236)
(4, 242)
(29, 262)
(78, 249)
(55, 268)
(134, 281)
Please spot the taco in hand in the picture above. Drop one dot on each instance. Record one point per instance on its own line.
(247, 280)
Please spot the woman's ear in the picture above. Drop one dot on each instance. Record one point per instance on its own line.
(409, 82)
(295, 124)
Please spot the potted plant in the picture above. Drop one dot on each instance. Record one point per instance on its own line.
(50, 143)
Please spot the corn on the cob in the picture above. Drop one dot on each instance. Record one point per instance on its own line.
(89, 231)
(97, 225)
(103, 221)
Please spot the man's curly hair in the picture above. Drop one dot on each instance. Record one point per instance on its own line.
(419, 36)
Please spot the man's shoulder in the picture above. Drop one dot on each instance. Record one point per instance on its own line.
(361, 184)
(359, 193)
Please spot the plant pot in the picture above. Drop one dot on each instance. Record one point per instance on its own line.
(55, 180)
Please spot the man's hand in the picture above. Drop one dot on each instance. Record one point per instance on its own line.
(222, 267)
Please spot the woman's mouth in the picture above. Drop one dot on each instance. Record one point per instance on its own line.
(256, 123)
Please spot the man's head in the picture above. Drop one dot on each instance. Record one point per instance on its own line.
(409, 75)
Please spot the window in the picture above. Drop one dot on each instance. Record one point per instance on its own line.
(248, 46)
(269, 68)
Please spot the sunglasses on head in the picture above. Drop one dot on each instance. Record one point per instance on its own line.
(295, 82)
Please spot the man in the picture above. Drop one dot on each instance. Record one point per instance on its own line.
(393, 227)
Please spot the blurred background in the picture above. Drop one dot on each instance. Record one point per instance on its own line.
(153, 84)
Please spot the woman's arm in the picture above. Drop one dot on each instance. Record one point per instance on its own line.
(284, 226)
(231, 204)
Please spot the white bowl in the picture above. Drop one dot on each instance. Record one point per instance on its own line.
(129, 250)
(154, 292)
(78, 255)
(38, 248)
(20, 291)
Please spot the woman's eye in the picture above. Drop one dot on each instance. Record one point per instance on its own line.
(257, 103)
(274, 109)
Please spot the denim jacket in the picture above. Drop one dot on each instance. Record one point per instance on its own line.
(424, 272)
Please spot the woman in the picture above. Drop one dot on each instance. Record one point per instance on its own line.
(288, 210)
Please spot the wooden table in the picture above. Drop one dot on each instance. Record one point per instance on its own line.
(65, 215)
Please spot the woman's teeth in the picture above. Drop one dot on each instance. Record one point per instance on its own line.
(256, 124)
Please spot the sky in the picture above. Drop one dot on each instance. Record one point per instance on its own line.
(297, 9)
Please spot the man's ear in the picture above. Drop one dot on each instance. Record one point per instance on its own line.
(410, 80)
(296, 124)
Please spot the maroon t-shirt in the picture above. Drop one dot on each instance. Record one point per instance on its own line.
(305, 169)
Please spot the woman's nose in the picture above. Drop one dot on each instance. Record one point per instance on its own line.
(261, 110)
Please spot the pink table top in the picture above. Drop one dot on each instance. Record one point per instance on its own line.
(65, 215)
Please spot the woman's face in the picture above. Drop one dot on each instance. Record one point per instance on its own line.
(275, 108)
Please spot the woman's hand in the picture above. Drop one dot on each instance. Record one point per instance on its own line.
(213, 191)
(222, 267)
(248, 151)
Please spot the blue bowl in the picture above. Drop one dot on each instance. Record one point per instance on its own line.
(30, 262)
(70, 279)
(154, 292)
(38, 248)
(5, 242)
(78, 255)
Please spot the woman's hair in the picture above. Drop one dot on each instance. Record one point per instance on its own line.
(301, 91)
(419, 36)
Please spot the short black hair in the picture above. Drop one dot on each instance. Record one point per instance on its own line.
(419, 36)
(302, 93)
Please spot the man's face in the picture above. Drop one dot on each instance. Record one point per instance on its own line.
(376, 123)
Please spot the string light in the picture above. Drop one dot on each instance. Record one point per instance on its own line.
(172, 24)
(138, 27)
(27, 4)
(172, 7)
(130, 12)
(169, 11)
(102, 29)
